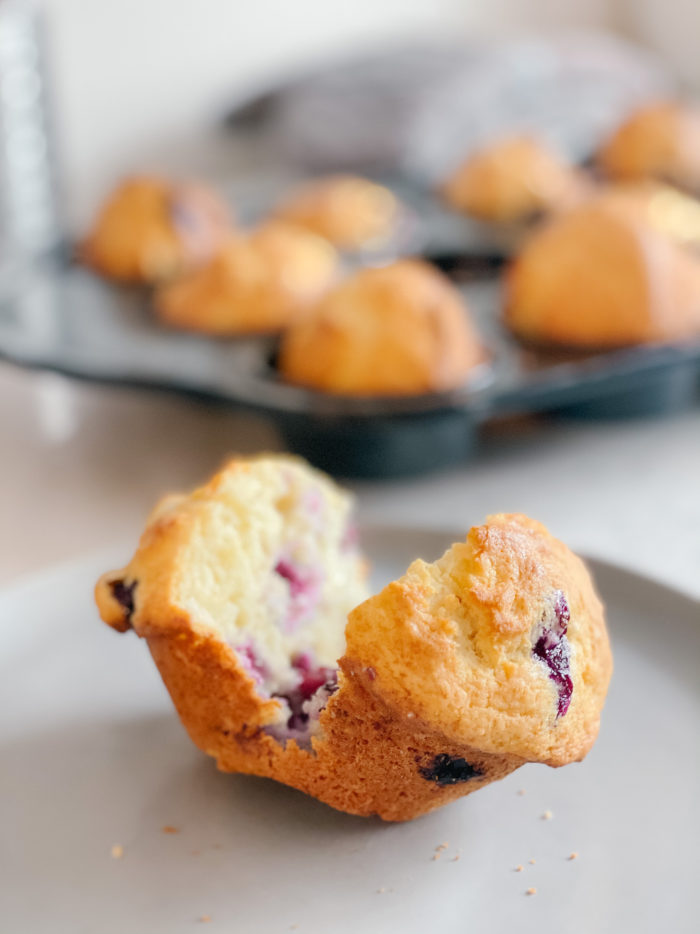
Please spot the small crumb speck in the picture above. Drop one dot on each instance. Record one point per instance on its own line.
(170, 829)
(441, 846)
(204, 918)
(381, 891)
(519, 867)
(293, 927)
(547, 815)
(436, 855)
(456, 857)
(531, 891)
(217, 846)
(521, 792)
(117, 851)
(196, 852)
(531, 862)
(573, 855)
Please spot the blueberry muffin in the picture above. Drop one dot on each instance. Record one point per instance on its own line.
(451, 677)
(256, 283)
(151, 229)
(671, 211)
(661, 141)
(401, 329)
(353, 213)
(513, 180)
(601, 277)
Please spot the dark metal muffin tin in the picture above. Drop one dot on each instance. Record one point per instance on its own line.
(63, 318)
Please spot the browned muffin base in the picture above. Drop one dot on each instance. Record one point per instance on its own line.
(370, 761)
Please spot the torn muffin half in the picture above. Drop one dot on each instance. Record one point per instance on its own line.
(452, 676)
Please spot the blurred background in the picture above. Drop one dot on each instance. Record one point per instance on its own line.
(130, 80)
(176, 86)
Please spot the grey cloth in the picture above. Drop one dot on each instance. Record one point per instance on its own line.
(420, 108)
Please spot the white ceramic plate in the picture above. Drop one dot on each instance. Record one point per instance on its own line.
(92, 756)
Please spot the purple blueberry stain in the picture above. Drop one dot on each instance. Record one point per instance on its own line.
(350, 538)
(123, 593)
(184, 217)
(304, 591)
(252, 663)
(306, 701)
(291, 573)
(312, 675)
(449, 770)
(551, 646)
(312, 504)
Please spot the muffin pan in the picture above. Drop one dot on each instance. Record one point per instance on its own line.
(63, 318)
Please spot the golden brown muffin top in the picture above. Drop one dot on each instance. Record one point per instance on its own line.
(152, 228)
(456, 643)
(659, 141)
(401, 329)
(256, 283)
(350, 211)
(670, 211)
(603, 276)
(514, 179)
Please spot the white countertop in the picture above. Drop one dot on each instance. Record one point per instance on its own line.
(82, 464)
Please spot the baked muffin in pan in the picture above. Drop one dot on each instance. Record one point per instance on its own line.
(258, 282)
(151, 229)
(514, 180)
(603, 276)
(400, 329)
(659, 141)
(351, 212)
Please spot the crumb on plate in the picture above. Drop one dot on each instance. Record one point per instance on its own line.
(170, 829)
(117, 851)
(531, 891)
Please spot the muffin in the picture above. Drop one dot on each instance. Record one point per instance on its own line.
(256, 283)
(669, 210)
(151, 229)
(401, 329)
(353, 213)
(513, 180)
(600, 277)
(451, 677)
(660, 141)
